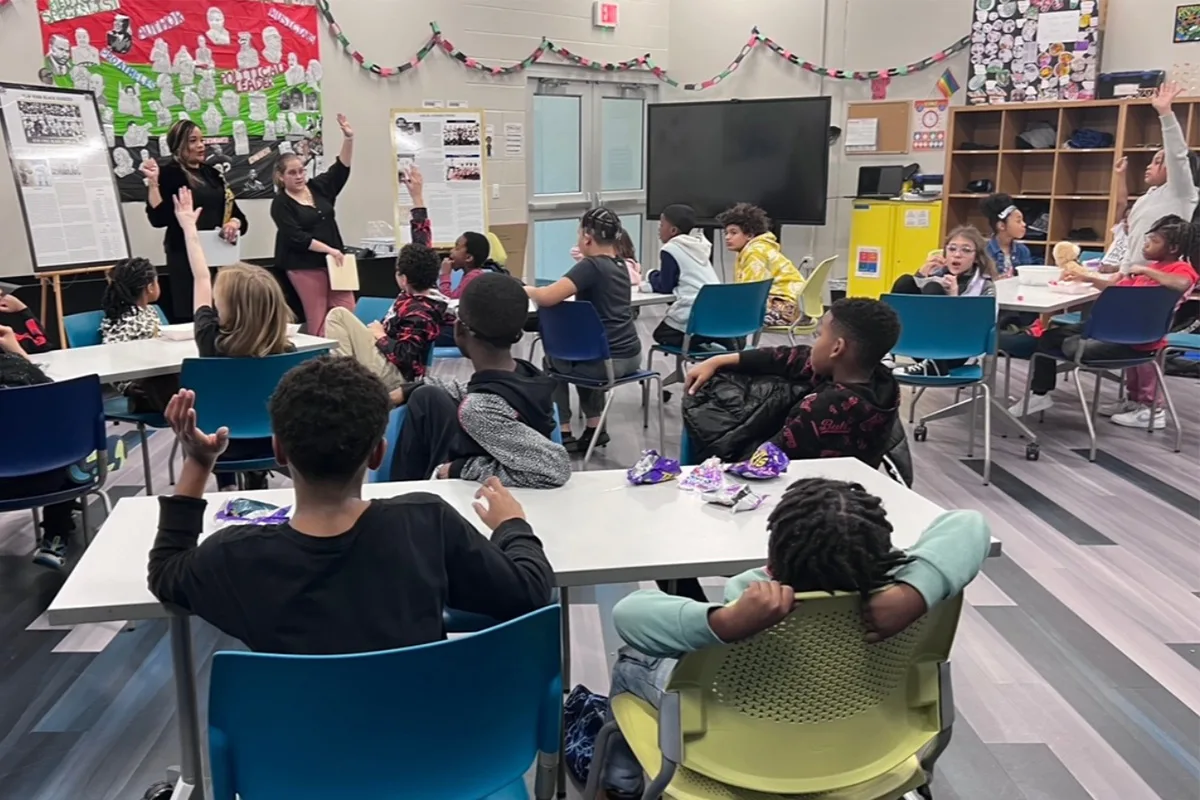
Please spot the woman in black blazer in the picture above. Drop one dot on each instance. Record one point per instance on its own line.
(209, 192)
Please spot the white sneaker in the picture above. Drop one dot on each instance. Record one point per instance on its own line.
(921, 369)
(1119, 407)
(1037, 403)
(1140, 418)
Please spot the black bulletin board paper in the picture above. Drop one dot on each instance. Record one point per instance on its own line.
(63, 176)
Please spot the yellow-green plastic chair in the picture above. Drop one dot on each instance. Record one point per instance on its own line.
(812, 303)
(806, 708)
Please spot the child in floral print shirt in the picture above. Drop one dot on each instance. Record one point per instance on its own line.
(129, 314)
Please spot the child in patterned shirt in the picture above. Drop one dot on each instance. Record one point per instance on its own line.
(130, 316)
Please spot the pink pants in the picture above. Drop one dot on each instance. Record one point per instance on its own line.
(1140, 383)
(317, 298)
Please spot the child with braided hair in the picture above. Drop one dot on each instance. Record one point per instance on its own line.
(128, 313)
(823, 536)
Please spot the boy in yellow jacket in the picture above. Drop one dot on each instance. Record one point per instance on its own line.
(748, 233)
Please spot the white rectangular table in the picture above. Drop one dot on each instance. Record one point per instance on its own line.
(129, 361)
(596, 530)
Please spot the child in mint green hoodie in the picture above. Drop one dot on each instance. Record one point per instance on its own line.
(824, 536)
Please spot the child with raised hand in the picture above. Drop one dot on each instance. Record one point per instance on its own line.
(851, 401)
(824, 536)
(343, 574)
(759, 258)
(1171, 179)
(498, 424)
(396, 349)
(1171, 253)
(1008, 226)
(243, 315)
(128, 297)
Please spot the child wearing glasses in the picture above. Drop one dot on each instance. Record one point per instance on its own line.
(963, 269)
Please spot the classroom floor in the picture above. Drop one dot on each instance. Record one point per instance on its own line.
(1075, 665)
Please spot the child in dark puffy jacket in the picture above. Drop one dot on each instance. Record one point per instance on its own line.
(851, 400)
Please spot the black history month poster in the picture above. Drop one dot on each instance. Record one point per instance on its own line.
(247, 72)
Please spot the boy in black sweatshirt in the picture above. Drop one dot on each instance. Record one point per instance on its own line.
(499, 423)
(344, 575)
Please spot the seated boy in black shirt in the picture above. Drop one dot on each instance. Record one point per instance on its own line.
(344, 575)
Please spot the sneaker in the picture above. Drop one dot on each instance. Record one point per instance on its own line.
(52, 552)
(1140, 418)
(1037, 403)
(1119, 407)
(921, 369)
(581, 443)
(889, 361)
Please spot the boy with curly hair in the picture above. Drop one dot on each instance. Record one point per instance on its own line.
(759, 258)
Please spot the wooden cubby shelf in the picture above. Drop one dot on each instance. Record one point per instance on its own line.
(1076, 187)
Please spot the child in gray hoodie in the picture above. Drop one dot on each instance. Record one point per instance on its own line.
(497, 424)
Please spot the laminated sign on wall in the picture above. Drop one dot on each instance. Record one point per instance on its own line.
(248, 73)
(867, 262)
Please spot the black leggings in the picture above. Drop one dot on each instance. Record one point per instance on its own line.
(666, 335)
(431, 435)
(56, 518)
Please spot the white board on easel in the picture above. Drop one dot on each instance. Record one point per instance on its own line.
(65, 181)
(448, 147)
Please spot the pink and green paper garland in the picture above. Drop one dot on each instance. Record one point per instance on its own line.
(643, 62)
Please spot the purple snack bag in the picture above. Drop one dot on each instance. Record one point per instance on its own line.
(736, 497)
(653, 468)
(767, 462)
(252, 512)
(707, 477)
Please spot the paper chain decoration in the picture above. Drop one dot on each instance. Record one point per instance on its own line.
(644, 62)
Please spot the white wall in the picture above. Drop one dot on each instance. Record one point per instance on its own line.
(694, 38)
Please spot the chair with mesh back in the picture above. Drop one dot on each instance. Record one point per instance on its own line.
(804, 708)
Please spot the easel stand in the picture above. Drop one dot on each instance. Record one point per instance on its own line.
(53, 279)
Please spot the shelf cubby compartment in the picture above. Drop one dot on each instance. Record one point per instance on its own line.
(1073, 215)
(1191, 125)
(980, 128)
(966, 170)
(1096, 118)
(1084, 173)
(1027, 172)
(1135, 170)
(1017, 122)
(964, 210)
(1143, 132)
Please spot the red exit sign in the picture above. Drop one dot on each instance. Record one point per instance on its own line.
(605, 15)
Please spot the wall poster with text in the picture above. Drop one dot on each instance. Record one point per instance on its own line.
(248, 73)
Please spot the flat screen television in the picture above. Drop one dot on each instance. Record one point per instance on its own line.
(773, 153)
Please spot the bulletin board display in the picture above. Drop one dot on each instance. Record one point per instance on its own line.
(892, 127)
(448, 148)
(1034, 52)
(69, 200)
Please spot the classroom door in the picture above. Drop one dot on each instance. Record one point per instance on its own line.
(587, 145)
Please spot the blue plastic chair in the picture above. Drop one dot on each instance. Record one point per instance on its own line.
(949, 328)
(233, 392)
(83, 330)
(162, 315)
(721, 311)
(392, 436)
(572, 331)
(61, 424)
(1129, 315)
(373, 309)
(398, 723)
(1189, 342)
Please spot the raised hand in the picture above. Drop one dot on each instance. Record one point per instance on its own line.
(1165, 95)
(344, 124)
(1122, 165)
(203, 448)
(149, 170)
(184, 211)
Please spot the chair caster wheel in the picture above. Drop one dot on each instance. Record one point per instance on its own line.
(920, 433)
(159, 791)
(1032, 451)
(925, 792)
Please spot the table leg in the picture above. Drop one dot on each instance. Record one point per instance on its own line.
(191, 771)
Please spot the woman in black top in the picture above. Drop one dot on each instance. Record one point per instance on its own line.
(307, 230)
(602, 279)
(212, 195)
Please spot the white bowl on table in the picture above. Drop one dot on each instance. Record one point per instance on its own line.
(1037, 276)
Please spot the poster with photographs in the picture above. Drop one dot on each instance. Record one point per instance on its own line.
(448, 147)
(65, 184)
(1034, 51)
(248, 73)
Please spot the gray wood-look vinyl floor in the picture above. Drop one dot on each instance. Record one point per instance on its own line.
(1075, 665)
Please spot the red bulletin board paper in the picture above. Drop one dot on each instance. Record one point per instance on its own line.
(150, 62)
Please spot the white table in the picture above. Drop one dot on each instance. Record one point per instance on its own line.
(128, 361)
(597, 529)
(1011, 295)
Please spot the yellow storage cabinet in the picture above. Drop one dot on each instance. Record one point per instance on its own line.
(889, 238)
